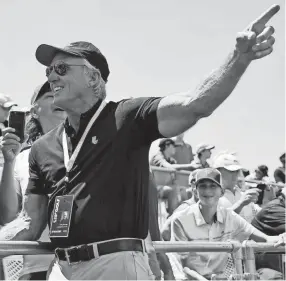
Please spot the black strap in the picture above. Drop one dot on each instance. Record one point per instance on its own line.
(86, 253)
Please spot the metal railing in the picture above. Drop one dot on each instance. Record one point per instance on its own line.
(164, 176)
(243, 253)
(249, 248)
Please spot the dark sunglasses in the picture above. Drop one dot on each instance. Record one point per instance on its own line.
(60, 68)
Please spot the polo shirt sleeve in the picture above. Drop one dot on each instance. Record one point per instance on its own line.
(18, 180)
(36, 182)
(177, 231)
(241, 228)
(178, 234)
(143, 111)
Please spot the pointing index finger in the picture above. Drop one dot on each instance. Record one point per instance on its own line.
(267, 15)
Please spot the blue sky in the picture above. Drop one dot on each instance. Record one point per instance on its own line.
(155, 48)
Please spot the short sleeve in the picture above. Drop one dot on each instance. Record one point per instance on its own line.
(21, 172)
(241, 228)
(36, 182)
(143, 111)
(178, 234)
(18, 180)
(177, 231)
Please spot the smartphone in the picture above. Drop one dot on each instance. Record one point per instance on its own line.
(262, 187)
(17, 121)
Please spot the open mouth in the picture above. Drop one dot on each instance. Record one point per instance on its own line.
(57, 89)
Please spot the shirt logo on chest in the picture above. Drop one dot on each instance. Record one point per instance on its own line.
(94, 140)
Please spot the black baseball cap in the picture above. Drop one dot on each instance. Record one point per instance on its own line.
(208, 174)
(46, 53)
(40, 91)
(263, 169)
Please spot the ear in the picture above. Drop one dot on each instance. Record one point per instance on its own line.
(94, 78)
(34, 111)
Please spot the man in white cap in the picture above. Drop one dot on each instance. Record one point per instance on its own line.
(6, 103)
(203, 153)
(241, 202)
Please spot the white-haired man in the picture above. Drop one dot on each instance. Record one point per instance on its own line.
(242, 202)
(6, 104)
(102, 149)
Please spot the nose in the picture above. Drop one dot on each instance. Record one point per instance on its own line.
(53, 76)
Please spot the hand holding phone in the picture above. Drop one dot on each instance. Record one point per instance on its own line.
(10, 144)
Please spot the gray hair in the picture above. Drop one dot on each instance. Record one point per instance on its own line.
(95, 80)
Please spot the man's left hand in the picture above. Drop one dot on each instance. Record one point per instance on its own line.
(257, 41)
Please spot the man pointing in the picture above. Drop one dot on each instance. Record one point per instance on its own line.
(104, 239)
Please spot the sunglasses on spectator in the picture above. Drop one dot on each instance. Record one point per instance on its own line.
(60, 68)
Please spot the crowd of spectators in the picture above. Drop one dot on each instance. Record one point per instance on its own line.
(225, 201)
(222, 200)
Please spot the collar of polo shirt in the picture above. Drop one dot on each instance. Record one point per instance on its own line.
(200, 219)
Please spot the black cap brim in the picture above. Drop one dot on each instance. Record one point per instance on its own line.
(46, 53)
(40, 91)
(206, 178)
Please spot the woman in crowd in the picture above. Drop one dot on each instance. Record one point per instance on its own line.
(44, 117)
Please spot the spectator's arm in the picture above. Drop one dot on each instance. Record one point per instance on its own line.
(250, 195)
(193, 275)
(246, 231)
(159, 161)
(237, 206)
(30, 223)
(166, 229)
(165, 266)
(10, 194)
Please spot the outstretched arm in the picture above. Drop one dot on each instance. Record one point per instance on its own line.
(177, 113)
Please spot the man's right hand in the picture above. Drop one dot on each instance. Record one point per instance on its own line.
(257, 41)
(250, 195)
(10, 144)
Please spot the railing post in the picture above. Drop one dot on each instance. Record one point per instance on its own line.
(2, 277)
(249, 262)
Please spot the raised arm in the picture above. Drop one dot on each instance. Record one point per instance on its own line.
(177, 113)
(10, 190)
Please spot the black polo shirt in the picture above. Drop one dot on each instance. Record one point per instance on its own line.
(115, 170)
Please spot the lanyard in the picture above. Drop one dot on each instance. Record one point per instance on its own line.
(69, 162)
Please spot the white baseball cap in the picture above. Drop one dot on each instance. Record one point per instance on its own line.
(227, 161)
(204, 146)
(6, 101)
